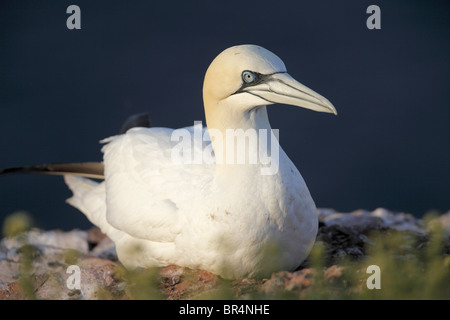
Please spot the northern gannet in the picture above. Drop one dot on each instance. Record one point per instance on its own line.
(226, 217)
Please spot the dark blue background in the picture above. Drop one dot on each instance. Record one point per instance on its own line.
(61, 91)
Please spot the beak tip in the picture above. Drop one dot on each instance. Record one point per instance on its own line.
(332, 109)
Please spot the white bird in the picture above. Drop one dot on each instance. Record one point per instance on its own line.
(222, 216)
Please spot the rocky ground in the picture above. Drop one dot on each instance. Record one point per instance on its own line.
(35, 264)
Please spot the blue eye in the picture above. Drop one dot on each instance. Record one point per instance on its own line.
(248, 76)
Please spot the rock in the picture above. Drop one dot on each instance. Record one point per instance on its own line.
(298, 281)
(275, 283)
(364, 221)
(48, 243)
(9, 271)
(10, 291)
(333, 273)
(243, 288)
(52, 252)
(99, 275)
(183, 283)
(48, 254)
(290, 281)
(171, 275)
(346, 235)
(97, 280)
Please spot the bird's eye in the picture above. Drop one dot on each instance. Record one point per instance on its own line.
(248, 76)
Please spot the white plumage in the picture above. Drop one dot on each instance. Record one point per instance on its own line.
(225, 218)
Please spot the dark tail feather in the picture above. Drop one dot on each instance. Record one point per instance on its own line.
(93, 170)
(84, 169)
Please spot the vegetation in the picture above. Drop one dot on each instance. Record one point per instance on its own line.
(410, 265)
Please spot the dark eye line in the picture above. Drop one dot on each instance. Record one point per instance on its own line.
(259, 78)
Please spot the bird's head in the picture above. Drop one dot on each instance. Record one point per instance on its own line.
(247, 76)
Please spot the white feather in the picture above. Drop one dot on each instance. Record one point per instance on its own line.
(228, 219)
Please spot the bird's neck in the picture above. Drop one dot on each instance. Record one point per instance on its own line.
(224, 118)
(243, 142)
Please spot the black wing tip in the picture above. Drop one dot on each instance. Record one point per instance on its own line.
(136, 120)
(43, 168)
(9, 170)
